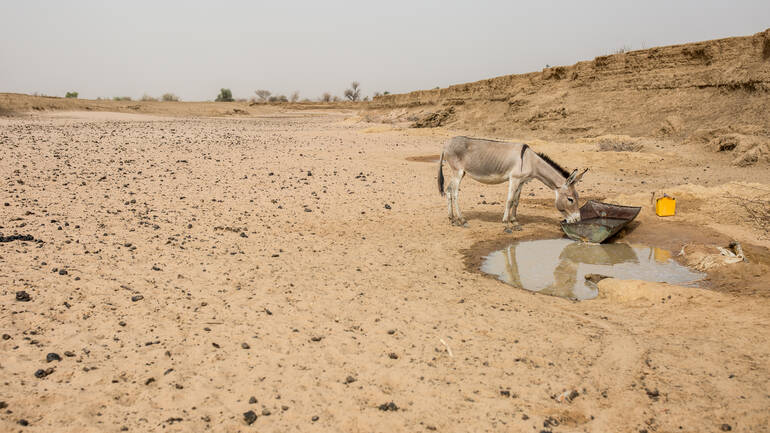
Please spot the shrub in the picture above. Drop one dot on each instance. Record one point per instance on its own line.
(71, 95)
(354, 92)
(263, 95)
(147, 97)
(294, 96)
(225, 95)
(169, 97)
(279, 98)
(121, 98)
(326, 97)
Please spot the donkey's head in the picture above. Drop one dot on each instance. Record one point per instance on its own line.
(567, 197)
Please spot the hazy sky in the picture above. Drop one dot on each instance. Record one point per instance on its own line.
(193, 48)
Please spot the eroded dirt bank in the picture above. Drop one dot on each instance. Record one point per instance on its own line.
(188, 265)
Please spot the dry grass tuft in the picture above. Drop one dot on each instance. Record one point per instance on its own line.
(619, 144)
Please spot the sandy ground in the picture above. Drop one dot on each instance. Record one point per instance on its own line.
(263, 262)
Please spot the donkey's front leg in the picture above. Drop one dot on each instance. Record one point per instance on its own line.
(509, 216)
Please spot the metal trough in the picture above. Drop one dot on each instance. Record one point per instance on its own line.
(599, 221)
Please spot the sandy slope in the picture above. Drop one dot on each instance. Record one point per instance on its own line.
(270, 267)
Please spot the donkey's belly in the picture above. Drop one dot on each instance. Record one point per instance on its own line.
(491, 179)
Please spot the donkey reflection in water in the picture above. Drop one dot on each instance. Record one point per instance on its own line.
(493, 162)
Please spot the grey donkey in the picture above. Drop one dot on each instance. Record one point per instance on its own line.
(493, 162)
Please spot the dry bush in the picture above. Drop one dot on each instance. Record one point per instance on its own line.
(326, 97)
(121, 98)
(294, 96)
(757, 210)
(619, 144)
(147, 98)
(169, 97)
(354, 92)
(263, 95)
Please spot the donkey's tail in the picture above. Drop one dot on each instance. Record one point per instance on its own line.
(441, 175)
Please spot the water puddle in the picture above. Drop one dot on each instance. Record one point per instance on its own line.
(558, 267)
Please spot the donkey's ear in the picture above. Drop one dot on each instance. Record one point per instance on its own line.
(571, 177)
(579, 177)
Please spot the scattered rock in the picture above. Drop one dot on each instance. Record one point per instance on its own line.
(245, 346)
(392, 355)
(387, 206)
(249, 417)
(136, 298)
(52, 357)
(349, 379)
(252, 400)
(23, 422)
(726, 427)
(266, 412)
(43, 373)
(314, 418)
(390, 406)
(23, 296)
(6, 337)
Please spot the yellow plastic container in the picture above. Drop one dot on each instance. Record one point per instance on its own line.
(665, 206)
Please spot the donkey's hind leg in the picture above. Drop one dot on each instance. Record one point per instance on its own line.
(455, 185)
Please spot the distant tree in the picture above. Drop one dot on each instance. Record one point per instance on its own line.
(354, 92)
(279, 98)
(169, 97)
(121, 98)
(294, 96)
(147, 97)
(326, 97)
(225, 95)
(386, 93)
(71, 95)
(263, 95)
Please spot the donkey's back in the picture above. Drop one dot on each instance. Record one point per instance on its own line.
(487, 161)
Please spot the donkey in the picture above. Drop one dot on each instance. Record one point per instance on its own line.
(493, 162)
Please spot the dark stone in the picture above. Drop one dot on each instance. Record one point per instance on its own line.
(6, 337)
(252, 400)
(3, 405)
(265, 412)
(390, 406)
(122, 323)
(52, 357)
(726, 427)
(69, 354)
(136, 298)
(349, 379)
(22, 296)
(23, 238)
(249, 417)
(316, 338)
(245, 346)
(23, 422)
(63, 272)
(244, 235)
(387, 206)
(505, 393)
(43, 373)
(314, 418)
(392, 355)
(149, 381)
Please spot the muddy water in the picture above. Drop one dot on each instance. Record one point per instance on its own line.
(557, 266)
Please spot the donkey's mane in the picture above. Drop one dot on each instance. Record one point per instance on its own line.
(554, 164)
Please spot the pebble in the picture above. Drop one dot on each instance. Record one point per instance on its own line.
(63, 272)
(23, 422)
(314, 418)
(390, 406)
(52, 357)
(43, 373)
(249, 417)
(349, 379)
(245, 346)
(22, 296)
(726, 427)
(265, 412)
(6, 337)
(69, 354)
(392, 355)
(387, 206)
(136, 298)
(252, 400)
